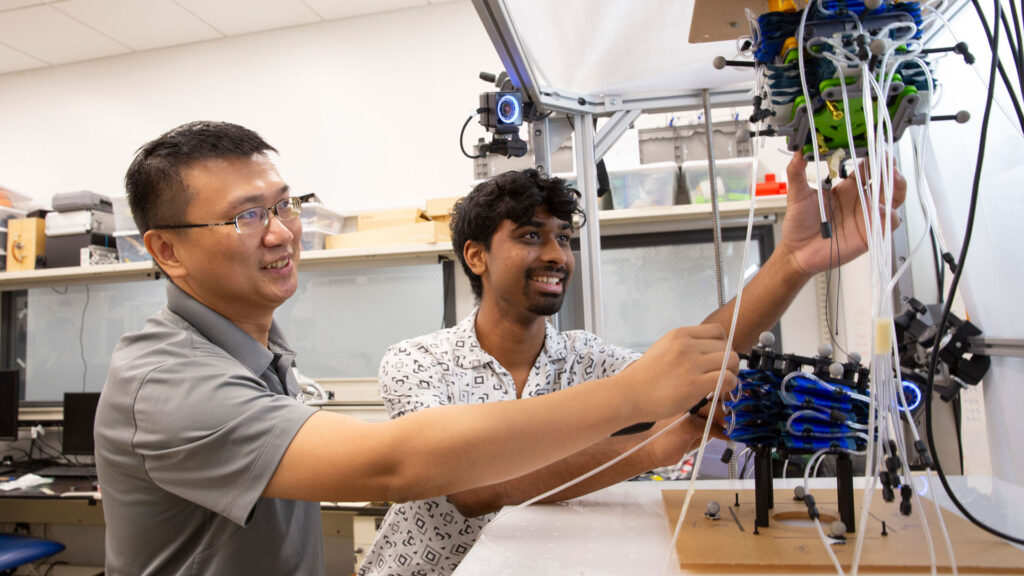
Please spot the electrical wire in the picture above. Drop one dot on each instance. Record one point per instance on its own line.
(828, 547)
(721, 376)
(462, 135)
(81, 340)
(596, 470)
(954, 283)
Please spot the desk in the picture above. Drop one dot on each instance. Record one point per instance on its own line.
(618, 531)
(74, 515)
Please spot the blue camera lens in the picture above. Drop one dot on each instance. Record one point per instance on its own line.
(509, 110)
(913, 395)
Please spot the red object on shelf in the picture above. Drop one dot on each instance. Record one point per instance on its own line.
(769, 187)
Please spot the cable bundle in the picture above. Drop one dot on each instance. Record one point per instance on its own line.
(781, 406)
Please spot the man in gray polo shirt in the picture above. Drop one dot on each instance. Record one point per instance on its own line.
(209, 464)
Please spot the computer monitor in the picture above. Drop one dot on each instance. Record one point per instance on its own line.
(79, 414)
(9, 405)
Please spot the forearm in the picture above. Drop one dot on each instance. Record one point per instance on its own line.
(765, 299)
(448, 449)
(491, 498)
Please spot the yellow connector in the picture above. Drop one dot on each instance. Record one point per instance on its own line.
(837, 114)
(781, 6)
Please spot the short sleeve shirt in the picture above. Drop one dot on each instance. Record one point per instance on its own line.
(192, 422)
(430, 537)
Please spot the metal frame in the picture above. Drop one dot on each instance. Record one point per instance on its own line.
(590, 147)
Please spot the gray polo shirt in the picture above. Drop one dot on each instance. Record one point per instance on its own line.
(192, 422)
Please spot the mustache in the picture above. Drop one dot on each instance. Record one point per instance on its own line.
(559, 270)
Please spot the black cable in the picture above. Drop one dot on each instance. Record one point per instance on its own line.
(993, 41)
(462, 134)
(838, 263)
(940, 270)
(933, 363)
(1013, 42)
(1019, 31)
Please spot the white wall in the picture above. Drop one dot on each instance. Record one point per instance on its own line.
(366, 111)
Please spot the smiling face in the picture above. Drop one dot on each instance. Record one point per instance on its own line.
(526, 271)
(244, 277)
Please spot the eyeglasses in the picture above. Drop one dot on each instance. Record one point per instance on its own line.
(254, 219)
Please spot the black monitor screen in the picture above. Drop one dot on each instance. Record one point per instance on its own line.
(8, 404)
(79, 413)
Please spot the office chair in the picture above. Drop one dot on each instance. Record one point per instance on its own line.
(17, 550)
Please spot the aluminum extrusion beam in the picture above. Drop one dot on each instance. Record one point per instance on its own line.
(498, 24)
(547, 135)
(590, 237)
(604, 106)
(614, 130)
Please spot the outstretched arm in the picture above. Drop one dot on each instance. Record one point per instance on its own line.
(802, 252)
(664, 451)
(455, 448)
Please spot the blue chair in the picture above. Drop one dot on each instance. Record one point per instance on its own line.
(17, 550)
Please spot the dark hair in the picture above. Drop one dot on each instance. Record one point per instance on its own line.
(510, 196)
(156, 190)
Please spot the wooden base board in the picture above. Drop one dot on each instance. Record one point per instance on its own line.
(729, 545)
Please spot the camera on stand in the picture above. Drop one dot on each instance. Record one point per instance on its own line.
(502, 113)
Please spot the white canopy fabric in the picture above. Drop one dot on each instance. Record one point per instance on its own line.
(614, 49)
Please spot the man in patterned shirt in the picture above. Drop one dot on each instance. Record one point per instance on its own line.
(511, 234)
(208, 462)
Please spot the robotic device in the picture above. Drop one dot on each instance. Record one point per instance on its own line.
(850, 62)
(786, 405)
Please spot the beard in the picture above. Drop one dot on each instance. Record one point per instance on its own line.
(545, 304)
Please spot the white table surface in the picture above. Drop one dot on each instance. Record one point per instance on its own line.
(621, 530)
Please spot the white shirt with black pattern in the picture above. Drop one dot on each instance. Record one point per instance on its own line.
(430, 537)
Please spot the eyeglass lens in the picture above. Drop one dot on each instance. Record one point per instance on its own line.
(255, 219)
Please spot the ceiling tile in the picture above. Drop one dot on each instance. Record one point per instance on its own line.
(11, 60)
(54, 37)
(333, 9)
(140, 24)
(243, 16)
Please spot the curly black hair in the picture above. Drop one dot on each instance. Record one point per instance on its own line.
(514, 196)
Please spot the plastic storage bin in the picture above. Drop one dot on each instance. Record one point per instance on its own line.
(314, 238)
(123, 220)
(648, 185)
(733, 179)
(316, 217)
(130, 247)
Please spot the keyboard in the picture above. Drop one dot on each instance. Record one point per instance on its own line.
(67, 472)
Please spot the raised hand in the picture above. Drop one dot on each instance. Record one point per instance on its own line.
(801, 230)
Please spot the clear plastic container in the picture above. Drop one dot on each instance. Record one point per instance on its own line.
(123, 220)
(316, 217)
(130, 247)
(648, 185)
(314, 238)
(732, 182)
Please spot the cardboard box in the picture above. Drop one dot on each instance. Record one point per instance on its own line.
(441, 207)
(26, 243)
(419, 233)
(446, 234)
(389, 218)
